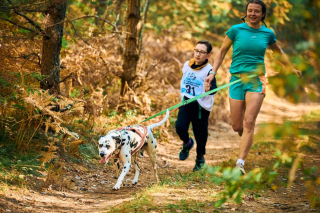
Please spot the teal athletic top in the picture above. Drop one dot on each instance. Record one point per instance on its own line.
(249, 47)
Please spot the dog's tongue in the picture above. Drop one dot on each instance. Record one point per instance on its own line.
(103, 160)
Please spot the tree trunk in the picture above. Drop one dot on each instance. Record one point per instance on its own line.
(131, 53)
(52, 41)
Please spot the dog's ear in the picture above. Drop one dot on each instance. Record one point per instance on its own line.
(117, 139)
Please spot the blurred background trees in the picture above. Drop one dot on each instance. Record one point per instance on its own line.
(86, 20)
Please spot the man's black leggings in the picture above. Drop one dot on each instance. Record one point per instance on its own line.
(190, 113)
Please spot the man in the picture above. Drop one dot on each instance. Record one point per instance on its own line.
(193, 84)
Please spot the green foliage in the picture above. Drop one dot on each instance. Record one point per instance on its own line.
(140, 203)
(186, 206)
(75, 93)
(130, 114)
(4, 84)
(14, 167)
(193, 18)
(236, 184)
(89, 150)
(64, 43)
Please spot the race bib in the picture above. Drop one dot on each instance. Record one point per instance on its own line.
(192, 84)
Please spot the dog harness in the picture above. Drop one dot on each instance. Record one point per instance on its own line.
(142, 131)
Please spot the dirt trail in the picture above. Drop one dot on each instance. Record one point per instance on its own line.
(93, 186)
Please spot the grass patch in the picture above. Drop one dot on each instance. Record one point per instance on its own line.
(15, 166)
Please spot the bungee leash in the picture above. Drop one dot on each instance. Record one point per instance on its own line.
(195, 98)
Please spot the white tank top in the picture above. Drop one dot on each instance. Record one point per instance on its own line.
(192, 85)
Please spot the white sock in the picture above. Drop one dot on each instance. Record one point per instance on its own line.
(240, 161)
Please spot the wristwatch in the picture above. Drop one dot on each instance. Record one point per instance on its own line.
(212, 72)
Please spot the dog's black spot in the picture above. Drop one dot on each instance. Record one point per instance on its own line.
(134, 144)
(124, 139)
(128, 143)
(151, 141)
(129, 138)
(122, 144)
(117, 139)
(126, 155)
(155, 146)
(128, 161)
(124, 167)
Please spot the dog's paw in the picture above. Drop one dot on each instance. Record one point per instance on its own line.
(116, 187)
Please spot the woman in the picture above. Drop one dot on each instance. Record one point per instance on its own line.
(249, 41)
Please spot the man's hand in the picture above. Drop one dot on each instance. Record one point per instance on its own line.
(207, 82)
(206, 87)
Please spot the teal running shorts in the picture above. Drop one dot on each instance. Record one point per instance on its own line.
(238, 90)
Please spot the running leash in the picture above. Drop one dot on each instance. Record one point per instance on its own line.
(197, 97)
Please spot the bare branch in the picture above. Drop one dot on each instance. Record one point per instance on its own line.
(31, 7)
(32, 23)
(30, 61)
(65, 78)
(20, 26)
(8, 106)
(106, 65)
(150, 69)
(89, 16)
(107, 21)
(145, 11)
(13, 37)
(29, 20)
(119, 35)
(27, 59)
(5, 9)
(75, 30)
(75, 41)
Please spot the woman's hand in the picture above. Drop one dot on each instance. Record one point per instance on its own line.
(284, 58)
(297, 72)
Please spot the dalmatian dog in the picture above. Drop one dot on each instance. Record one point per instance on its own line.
(123, 144)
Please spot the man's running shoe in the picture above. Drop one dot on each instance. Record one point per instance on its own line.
(184, 152)
(199, 164)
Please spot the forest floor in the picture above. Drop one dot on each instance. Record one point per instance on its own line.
(93, 184)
